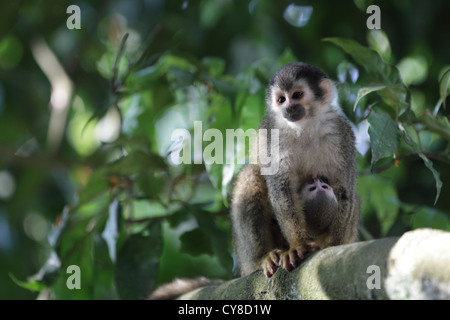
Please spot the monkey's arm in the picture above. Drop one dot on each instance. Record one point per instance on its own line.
(344, 228)
(286, 208)
(251, 218)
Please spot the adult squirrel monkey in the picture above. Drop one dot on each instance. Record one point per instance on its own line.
(310, 202)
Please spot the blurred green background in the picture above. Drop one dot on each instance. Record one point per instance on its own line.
(86, 118)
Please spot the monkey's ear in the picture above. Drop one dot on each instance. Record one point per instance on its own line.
(329, 91)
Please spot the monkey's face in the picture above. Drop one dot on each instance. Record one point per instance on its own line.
(320, 205)
(292, 104)
(298, 92)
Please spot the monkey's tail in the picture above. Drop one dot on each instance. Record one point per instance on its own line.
(178, 287)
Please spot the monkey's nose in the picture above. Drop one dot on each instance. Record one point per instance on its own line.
(294, 112)
(314, 183)
(317, 183)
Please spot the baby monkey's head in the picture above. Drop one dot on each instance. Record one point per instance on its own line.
(299, 91)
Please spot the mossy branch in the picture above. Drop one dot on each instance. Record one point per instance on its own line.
(414, 266)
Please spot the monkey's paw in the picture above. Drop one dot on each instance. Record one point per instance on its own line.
(271, 262)
(290, 259)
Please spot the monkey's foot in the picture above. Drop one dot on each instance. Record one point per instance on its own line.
(289, 259)
(271, 262)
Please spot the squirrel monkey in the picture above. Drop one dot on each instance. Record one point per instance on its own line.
(310, 202)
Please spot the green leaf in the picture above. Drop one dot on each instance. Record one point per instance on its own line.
(365, 91)
(396, 97)
(32, 285)
(427, 217)
(379, 41)
(370, 59)
(379, 194)
(135, 163)
(215, 66)
(137, 263)
(178, 218)
(444, 83)
(436, 175)
(96, 187)
(104, 286)
(215, 174)
(217, 237)
(436, 124)
(395, 93)
(144, 78)
(195, 243)
(46, 274)
(286, 57)
(80, 248)
(384, 135)
(428, 163)
(252, 112)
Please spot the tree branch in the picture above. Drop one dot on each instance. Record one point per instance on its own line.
(414, 266)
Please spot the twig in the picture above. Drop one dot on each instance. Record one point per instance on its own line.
(115, 84)
(434, 156)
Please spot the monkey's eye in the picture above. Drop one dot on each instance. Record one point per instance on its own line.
(281, 99)
(297, 95)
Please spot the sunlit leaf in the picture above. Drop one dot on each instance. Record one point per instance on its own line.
(379, 41)
(32, 285)
(413, 69)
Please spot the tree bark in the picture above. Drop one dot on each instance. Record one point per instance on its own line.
(414, 266)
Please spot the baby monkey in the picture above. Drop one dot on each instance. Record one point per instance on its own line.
(310, 202)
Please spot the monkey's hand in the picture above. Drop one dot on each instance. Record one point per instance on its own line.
(290, 259)
(271, 262)
(287, 259)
